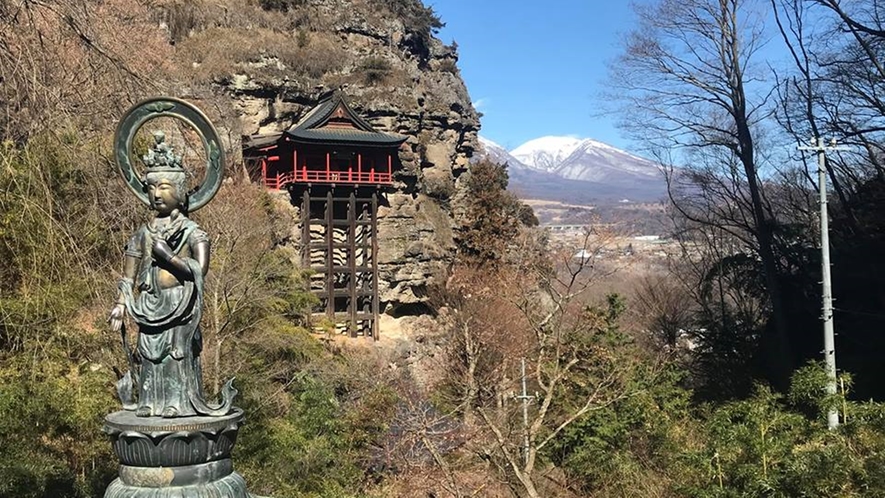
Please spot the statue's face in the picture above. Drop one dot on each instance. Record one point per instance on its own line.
(163, 195)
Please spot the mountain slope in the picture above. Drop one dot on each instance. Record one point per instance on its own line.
(596, 161)
(546, 153)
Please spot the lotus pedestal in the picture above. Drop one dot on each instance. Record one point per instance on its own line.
(186, 457)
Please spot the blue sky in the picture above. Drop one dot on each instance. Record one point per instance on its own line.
(536, 68)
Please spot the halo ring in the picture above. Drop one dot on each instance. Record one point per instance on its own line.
(156, 107)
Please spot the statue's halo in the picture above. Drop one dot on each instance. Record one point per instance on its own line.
(157, 107)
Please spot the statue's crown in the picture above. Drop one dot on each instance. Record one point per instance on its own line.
(160, 157)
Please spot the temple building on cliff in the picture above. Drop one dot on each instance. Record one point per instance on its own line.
(336, 167)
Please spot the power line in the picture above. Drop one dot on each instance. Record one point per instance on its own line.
(862, 313)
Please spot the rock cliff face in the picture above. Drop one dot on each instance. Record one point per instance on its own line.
(404, 81)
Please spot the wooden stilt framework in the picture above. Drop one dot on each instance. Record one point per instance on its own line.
(339, 245)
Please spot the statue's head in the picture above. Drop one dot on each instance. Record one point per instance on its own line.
(165, 179)
(167, 191)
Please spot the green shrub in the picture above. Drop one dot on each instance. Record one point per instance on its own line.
(416, 16)
(302, 38)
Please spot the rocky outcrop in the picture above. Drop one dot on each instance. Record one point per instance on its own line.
(416, 245)
(402, 82)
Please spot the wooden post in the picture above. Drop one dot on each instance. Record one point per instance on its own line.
(305, 230)
(373, 233)
(264, 171)
(328, 164)
(351, 259)
(295, 163)
(389, 167)
(330, 253)
(359, 166)
(305, 245)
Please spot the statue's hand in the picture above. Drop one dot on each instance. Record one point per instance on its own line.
(162, 251)
(115, 317)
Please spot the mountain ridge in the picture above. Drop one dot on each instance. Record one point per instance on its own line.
(546, 153)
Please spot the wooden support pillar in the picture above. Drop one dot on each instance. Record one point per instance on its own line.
(295, 163)
(351, 259)
(305, 242)
(305, 229)
(328, 164)
(359, 166)
(330, 259)
(373, 233)
(389, 167)
(264, 171)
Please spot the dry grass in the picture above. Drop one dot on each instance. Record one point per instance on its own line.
(218, 53)
(187, 17)
(374, 70)
(448, 66)
(322, 54)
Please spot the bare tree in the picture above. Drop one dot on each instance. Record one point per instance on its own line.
(428, 447)
(251, 279)
(666, 307)
(574, 362)
(64, 60)
(835, 86)
(688, 79)
(482, 347)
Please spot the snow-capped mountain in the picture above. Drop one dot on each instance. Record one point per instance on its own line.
(546, 153)
(599, 162)
(498, 154)
(571, 169)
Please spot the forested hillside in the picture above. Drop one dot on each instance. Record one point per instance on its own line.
(534, 373)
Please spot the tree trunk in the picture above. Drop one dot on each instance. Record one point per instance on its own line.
(779, 358)
(471, 387)
(216, 377)
(777, 351)
(528, 485)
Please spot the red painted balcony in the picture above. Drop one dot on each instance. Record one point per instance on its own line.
(280, 180)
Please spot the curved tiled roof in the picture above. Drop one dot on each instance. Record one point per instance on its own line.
(315, 128)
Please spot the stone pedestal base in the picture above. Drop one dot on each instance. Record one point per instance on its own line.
(186, 457)
(233, 485)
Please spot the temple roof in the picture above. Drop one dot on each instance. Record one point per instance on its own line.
(258, 141)
(333, 121)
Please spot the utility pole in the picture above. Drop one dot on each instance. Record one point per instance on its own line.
(525, 416)
(818, 146)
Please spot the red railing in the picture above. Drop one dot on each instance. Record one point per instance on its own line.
(279, 181)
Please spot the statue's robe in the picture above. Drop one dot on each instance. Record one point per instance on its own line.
(169, 340)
